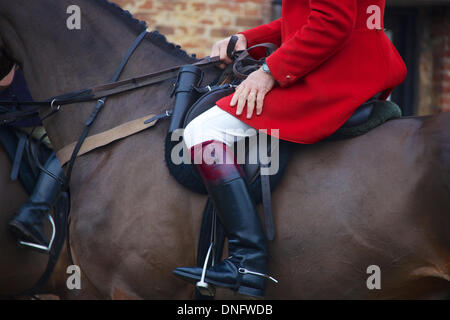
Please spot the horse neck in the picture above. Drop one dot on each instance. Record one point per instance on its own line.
(56, 60)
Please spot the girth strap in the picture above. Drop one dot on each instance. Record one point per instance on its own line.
(106, 137)
(267, 205)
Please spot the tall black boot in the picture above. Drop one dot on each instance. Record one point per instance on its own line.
(27, 224)
(245, 270)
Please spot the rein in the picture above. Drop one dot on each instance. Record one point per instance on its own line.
(112, 88)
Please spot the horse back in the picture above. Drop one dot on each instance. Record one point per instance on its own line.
(376, 199)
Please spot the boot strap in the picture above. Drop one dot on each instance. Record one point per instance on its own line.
(246, 271)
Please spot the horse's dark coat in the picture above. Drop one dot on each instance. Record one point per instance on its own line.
(381, 198)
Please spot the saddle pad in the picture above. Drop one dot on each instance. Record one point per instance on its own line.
(382, 111)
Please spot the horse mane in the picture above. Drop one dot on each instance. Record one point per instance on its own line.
(155, 37)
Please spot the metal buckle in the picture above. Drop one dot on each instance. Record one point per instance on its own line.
(245, 271)
(53, 107)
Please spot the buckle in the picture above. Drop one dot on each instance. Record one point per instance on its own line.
(53, 107)
(245, 271)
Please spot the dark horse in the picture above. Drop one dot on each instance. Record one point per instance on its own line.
(380, 199)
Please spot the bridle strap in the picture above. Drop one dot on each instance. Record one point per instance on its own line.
(101, 91)
(117, 87)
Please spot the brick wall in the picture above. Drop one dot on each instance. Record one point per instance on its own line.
(434, 61)
(440, 35)
(197, 24)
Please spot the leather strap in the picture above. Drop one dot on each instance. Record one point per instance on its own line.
(267, 205)
(98, 107)
(60, 211)
(231, 45)
(106, 137)
(244, 64)
(98, 92)
(18, 157)
(101, 91)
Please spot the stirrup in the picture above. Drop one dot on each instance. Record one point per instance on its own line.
(204, 288)
(38, 247)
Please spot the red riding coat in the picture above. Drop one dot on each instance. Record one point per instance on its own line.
(333, 56)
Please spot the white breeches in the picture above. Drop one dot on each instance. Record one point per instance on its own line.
(216, 124)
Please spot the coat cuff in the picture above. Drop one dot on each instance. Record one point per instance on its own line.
(284, 79)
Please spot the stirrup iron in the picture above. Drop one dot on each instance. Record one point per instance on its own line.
(202, 286)
(38, 247)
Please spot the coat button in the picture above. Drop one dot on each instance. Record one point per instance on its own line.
(288, 76)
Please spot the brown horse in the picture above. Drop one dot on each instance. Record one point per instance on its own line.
(380, 199)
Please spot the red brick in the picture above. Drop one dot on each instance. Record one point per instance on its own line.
(199, 6)
(444, 102)
(146, 5)
(165, 30)
(222, 32)
(145, 17)
(205, 21)
(225, 6)
(248, 22)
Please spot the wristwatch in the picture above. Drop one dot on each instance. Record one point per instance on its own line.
(266, 69)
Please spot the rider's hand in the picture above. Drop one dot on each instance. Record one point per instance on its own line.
(252, 91)
(220, 48)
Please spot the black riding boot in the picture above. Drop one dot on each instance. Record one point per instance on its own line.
(27, 224)
(245, 270)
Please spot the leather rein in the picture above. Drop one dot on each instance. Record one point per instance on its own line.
(112, 88)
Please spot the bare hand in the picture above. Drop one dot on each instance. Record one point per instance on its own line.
(220, 48)
(252, 91)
